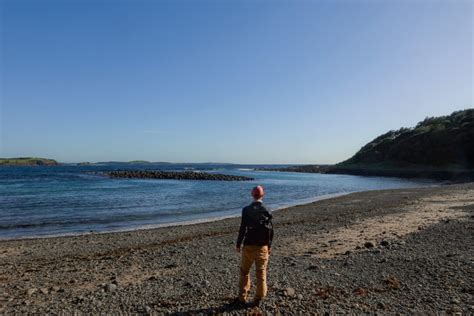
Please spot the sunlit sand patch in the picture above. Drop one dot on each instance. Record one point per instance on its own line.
(418, 216)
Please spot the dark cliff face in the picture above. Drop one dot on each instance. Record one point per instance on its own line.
(439, 142)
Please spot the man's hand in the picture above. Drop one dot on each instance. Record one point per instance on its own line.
(237, 249)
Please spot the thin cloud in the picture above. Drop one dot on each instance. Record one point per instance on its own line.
(150, 131)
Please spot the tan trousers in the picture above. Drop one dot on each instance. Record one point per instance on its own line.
(259, 255)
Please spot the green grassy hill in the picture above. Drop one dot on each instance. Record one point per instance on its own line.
(436, 142)
(437, 147)
(28, 161)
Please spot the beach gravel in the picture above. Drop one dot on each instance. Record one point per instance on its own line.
(320, 262)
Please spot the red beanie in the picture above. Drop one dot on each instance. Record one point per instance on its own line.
(257, 192)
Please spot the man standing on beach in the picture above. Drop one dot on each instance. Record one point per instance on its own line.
(256, 233)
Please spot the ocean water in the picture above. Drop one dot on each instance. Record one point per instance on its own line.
(62, 200)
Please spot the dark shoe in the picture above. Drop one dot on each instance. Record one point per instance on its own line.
(257, 303)
(238, 302)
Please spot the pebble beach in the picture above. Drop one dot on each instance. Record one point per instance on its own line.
(387, 251)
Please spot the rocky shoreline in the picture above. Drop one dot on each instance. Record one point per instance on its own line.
(302, 169)
(392, 251)
(174, 175)
(454, 175)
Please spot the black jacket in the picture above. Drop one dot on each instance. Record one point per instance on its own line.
(253, 231)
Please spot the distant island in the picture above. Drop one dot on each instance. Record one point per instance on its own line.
(437, 147)
(28, 161)
(85, 163)
(133, 162)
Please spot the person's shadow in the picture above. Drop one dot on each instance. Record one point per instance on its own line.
(226, 307)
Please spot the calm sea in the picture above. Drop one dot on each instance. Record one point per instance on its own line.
(43, 201)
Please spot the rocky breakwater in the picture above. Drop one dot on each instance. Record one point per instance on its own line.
(175, 175)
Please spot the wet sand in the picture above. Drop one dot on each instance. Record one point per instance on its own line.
(406, 251)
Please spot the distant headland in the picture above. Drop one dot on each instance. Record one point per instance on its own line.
(132, 162)
(28, 161)
(440, 148)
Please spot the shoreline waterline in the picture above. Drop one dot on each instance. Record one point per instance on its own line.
(69, 202)
(177, 264)
(282, 206)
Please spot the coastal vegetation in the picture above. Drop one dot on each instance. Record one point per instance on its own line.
(28, 161)
(436, 142)
(437, 147)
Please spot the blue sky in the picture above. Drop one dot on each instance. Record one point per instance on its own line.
(227, 81)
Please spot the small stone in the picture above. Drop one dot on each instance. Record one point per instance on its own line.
(455, 300)
(31, 291)
(300, 296)
(380, 305)
(55, 288)
(392, 282)
(111, 287)
(369, 244)
(44, 290)
(289, 291)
